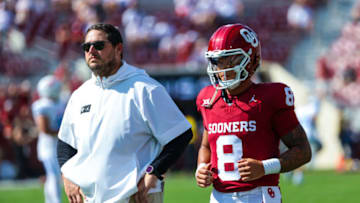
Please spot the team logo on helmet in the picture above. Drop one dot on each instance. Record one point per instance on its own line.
(250, 37)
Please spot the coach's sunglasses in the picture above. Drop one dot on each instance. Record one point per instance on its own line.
(98, 45)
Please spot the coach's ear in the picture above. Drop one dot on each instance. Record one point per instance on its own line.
(119, 50)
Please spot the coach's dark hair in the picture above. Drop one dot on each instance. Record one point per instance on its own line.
(112, 33)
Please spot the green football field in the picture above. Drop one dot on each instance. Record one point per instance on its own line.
(318, 187)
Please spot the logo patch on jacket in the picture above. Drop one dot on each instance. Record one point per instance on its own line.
(85, 109)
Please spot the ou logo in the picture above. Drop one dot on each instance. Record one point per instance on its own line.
(271, 192)
(250, 37)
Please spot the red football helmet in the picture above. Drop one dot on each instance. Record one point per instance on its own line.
(233, 40)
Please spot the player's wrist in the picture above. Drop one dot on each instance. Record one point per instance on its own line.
(198, 167)
(151, 170)
(271, 166)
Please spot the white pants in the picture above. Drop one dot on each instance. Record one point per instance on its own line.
(264, 194)
(52, 187)
(157, 197)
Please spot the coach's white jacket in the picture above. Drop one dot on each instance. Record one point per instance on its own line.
(118, 126)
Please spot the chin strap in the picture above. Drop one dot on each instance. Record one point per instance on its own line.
(225, 96)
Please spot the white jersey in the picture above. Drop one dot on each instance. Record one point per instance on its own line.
(53, 111)
(119, 126)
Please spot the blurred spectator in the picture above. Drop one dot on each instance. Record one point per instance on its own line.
(307, 115)
(23, 11)
(183, 8)
(203, 14)
(19, 127)
(85, 12)
(63, 39)
(166, 49)
(24, 130)
(300, 15)
(119, 4)
(338, 71)
(206, 12)
(196, 60)
(350, 140)
(6, 16)
(7, 169)
(355, 12)
(229, 11)
(23, 134)
(69, 79)
(184, 44)
(115, 8)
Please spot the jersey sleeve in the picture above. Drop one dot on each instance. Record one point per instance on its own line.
(38, 109)
(284, 118)
(161, 114)
(200, 101)
(66, 131)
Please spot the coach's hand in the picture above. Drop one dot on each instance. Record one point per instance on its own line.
(146, 183)
(73, 191)
(204, 176)
(250, 169)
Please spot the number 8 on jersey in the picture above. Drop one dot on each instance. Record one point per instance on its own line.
(229, 151)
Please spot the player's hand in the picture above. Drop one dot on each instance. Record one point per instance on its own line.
(204, 177)
(73, 191)
(146, 183)
(250, 169)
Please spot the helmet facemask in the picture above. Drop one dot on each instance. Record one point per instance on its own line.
(236, 61)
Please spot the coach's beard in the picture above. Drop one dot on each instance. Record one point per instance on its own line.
(104, 70)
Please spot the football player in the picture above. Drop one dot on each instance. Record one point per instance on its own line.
(48, 112)
(244, 123)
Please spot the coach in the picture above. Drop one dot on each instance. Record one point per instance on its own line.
(121, 131)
